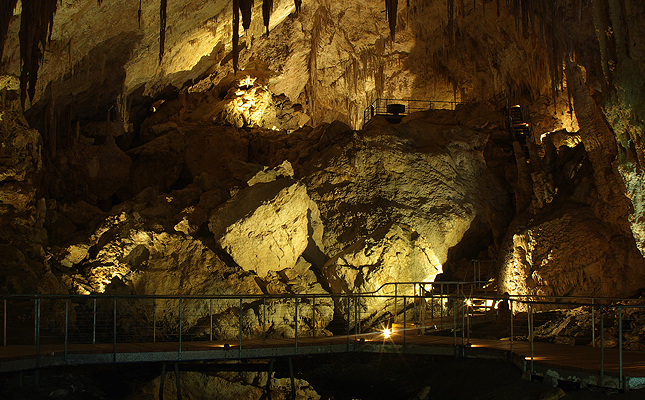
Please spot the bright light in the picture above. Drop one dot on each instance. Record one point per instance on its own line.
(274, 128)
(489, 303)
(239, 92)
(386, 333)
(469, 302)
(247, 82)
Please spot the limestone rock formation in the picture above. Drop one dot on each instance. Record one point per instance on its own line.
(569, 252)
(228, 385)
(429, 177)
(265, 227)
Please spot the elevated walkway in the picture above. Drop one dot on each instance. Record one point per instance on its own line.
(393, 110)
(433, 318)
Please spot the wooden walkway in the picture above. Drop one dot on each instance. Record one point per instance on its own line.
(578, 363)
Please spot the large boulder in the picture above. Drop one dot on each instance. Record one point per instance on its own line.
(426, 179)
(265, 227)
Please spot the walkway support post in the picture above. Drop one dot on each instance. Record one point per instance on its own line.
(293, 380)
(114, 332)
(620, 347)
(177, 381)
(37, 338)
(4, 314)
(66, 328)
(94, 322)
(268, 386)
(161, 379)
(602, 345)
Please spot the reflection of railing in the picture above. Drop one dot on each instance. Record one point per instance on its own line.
(380, 107)
(64, 320)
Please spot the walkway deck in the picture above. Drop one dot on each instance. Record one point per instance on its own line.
(576, 363)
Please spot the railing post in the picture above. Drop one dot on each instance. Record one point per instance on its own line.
(396, 292)
(94, 320)
(454, 322)
(154, 320)
(404, 318)
(602, 345)
(264, 318)
(511, 309)
(114, 336)
(37, 333)
(463, 321)
(66, 328)
(593, 324)
(181, 303)
(4, 314)
(620, 347)
(355, 320)
(348, 321)
(210, 312)
(240, 332)
(531, 333)
(313, 316)
(295, 324)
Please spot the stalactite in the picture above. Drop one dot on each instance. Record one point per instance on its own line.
(236, 34)
(298, 4)
(390, 8)
(498, 8)
(451, 20)
(246, 6)
(36, 24)
(162, 27)
(139, 14)
(267, 8)
(6, 13)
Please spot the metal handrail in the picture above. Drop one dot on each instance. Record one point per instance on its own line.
(379, 106)
(462, 305)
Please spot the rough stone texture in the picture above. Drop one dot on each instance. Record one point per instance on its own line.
(227, 385)
(89, 172)
(426, 174)
(333, 58)
(264, 227)
(569, 252)
(397, 254)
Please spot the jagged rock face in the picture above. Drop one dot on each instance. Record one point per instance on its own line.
(429, 177)
(569, 253)
(333, 58)
(265, 227)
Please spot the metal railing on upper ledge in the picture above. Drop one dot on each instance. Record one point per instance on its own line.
(401, 107)
(409, 307)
